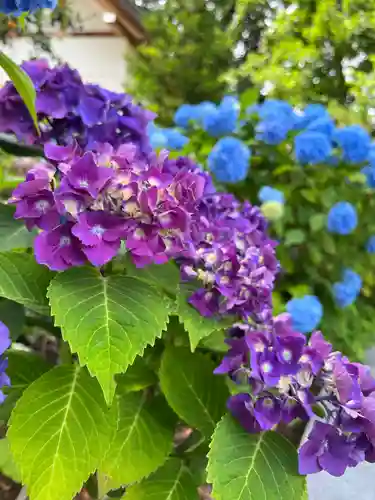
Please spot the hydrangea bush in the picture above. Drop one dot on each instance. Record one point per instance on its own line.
(173, 371)
(314, 180)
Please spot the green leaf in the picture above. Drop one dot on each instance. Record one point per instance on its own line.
(13, 233)
(13, 316)
(12, 147)
(165, 277)
(24, 281)
(197, 326)
(192, 390)
(137, 377)
(243, 466)
(172, 482)
(215, 341)
(22, 84)
(107, 321)
(57, 433)
(7, 466)
(294, 237)
(317, 222)
(23, 369)
(142, 440)
(249, 97)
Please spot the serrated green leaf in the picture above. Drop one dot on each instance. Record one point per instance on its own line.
(23, 369)
(137, 377)
(192, 390)
(165, 277)
(243, 466)
(13, 233)
(197, 326)
(106, 321)
(24, 281)
(22, 84)
(57, 433)
(13, 316)
(142, 440)
(173, 481)
(7, 466)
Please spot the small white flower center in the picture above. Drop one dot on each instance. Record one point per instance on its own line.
(65, 241)
(83, 183)
(98, 230)
(267, 367)
(287, 355)
(42, 206)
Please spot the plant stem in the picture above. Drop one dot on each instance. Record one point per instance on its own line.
(22, 494)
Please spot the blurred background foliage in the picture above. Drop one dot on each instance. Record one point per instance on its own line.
(303, 51)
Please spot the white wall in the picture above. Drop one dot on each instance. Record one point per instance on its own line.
(99, 59)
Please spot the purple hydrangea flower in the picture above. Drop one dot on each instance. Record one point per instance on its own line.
(69, 110)
(4, 345)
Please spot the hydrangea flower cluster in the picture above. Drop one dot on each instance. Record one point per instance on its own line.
(16, 7)
(347, 290)
(306, 313)
(234, 260)
(288, 378)
(69, 110)
(86, 204)
(342, 218)
(229, 160)
(4, 345)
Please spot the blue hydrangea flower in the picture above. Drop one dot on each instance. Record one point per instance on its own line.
(306, 313)
(352, 278)
(276, 110)
(324, 125)
(346, 292)
(175, 140)
(16, 7)
(222, 120)
(229, 160)
(369, 172)
(157, 137)
(355, 143)
(268, 193)
(184, 115)
(312, 148)
(273, 132)
(370, 245)
(342, 218)
(311, 113)
(188, 113)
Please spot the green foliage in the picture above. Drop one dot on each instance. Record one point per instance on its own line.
(141, 440)
(7, 466)
(108, 321)
(316, 51)
(172, 68)
(13, 233)
(197, 326)
(199, 404)
(13, 315)
(23, 369)
(172, 482)
(243, 466)
(57, 433)
(137, 377)
(24, 281)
